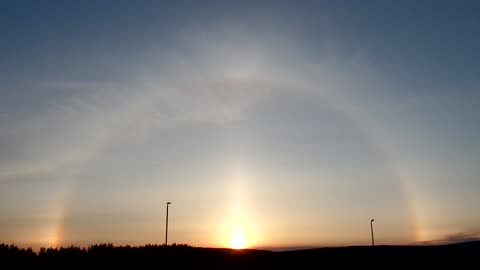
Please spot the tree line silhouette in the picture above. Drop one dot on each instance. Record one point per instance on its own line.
(184, 256)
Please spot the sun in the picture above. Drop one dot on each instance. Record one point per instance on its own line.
(238, 239)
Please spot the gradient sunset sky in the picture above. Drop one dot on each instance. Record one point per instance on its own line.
(276, 123)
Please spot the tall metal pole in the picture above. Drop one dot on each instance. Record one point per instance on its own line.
(166, 227)
(371, 230)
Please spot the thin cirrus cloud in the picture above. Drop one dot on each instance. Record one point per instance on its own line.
(218, 87)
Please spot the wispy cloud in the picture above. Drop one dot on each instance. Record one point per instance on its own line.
(215, 78)
(454, 238)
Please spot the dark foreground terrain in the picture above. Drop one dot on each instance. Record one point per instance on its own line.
(107, 256)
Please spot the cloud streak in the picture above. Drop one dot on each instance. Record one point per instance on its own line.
(459, 237)
(217, 80)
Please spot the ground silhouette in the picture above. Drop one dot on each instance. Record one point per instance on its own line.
(186, 257)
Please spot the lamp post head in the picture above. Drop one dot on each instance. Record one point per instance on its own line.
(169, 203)
(372, 220)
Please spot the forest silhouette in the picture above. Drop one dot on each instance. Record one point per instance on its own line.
(187, 257)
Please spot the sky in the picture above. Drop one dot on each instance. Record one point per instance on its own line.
(267, 124)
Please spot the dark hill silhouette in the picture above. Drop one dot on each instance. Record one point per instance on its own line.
(187, 257)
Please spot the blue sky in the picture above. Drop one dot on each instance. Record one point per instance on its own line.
(288, 123)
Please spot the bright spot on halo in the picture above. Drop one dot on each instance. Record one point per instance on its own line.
(238, 239)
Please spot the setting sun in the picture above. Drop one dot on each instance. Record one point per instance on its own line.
(238, 239)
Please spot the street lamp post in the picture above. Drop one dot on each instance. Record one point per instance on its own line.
(371, 230)
(166, 226)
